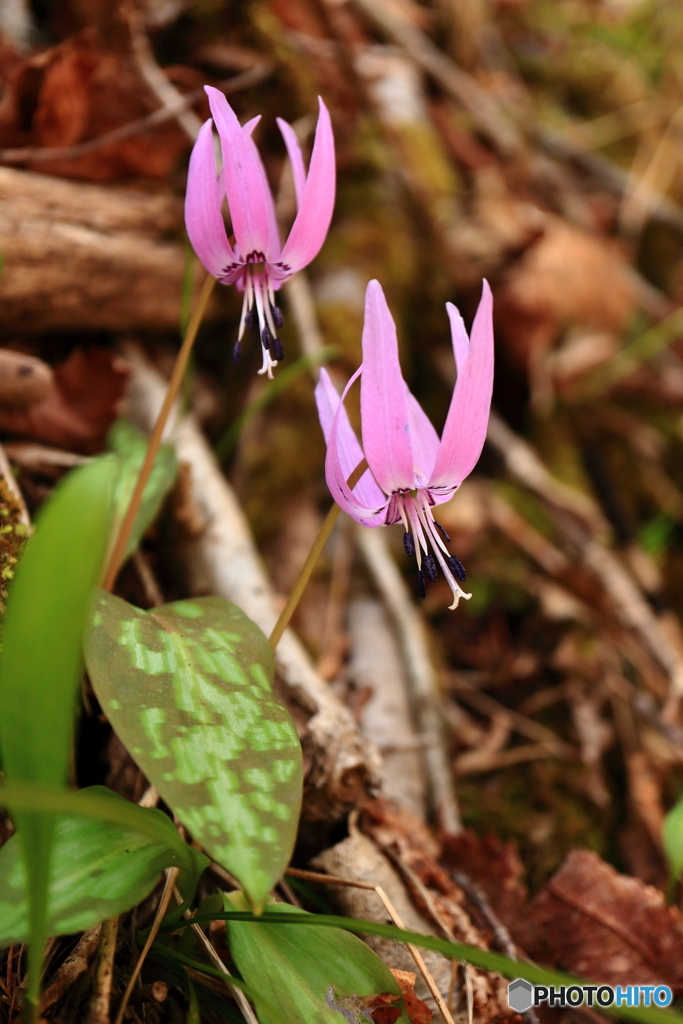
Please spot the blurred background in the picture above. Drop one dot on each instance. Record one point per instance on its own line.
(537, 143)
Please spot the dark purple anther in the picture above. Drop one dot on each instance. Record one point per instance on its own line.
(249, 319)
(442, 531)
(278, 351)
(409, 544)
(457, 568)
(278, 318)
(237, 352)
(421, 589)
(265, 338)
(430, 568)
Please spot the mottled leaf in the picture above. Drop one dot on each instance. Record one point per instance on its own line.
(321, 975)
(98, 869)
(130, 444)
(189, 689)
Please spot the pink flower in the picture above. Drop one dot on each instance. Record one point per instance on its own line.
(256, 261)
(409, 469)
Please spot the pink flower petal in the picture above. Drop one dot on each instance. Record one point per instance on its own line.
(317, 202)
(468, 416)
(385, 412)
(350, 451)
(295, 158)
(203, 218)
(336, 476)
(274, 243)
(244, 184)
(424, 439)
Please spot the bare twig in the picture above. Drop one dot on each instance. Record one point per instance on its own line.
(237, 993)
(104, 975)
(417, 957)
(171, 876)
(72, 968)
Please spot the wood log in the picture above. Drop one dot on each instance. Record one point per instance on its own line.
(85, 257)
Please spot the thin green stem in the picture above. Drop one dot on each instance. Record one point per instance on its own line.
(155, 439)
(308, 566)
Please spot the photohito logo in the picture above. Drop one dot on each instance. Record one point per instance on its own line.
(522, 995)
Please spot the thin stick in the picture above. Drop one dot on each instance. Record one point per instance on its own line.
(156, 435)
(240, 998)
(316, 876)
(159, 917)
(99, 1005)
(417, 957)
(308, 566)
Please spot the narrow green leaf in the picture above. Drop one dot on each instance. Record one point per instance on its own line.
(130, 444)
(457, 950)
(313, 971)
(98, 869)
(189, 689)
(41, 662)
(672, 838)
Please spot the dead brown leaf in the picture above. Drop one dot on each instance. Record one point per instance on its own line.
(80, 406)
(496, 867)
(602, 925)
(78, 91)
(569, 278)
(383, 1012)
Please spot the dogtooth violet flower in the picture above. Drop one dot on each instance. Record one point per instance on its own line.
(410, 470)
(256, 261)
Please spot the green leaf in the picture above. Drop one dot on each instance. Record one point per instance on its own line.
(41, 662)
(189, 689)
(314, 972)
(98, 869)
(672, 838)
(457, 950)
(130, 444)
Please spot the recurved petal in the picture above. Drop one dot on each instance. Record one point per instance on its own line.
(468, 416)
(295, 158)
(317, 201)
(336, 479)
(274, 242)
(203, 217)
(384, 408)
(244, 182)
(350, 452)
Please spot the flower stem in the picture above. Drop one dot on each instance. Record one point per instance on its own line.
(308, 566)
(155, 438)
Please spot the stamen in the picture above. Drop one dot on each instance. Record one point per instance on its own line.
(441, 531)
(278, 350)
(421, 588)
(265, 338)
(457, 568)
(409, 544)
(430, 568)
(277, 316)
(249, 319)
(237, 352)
